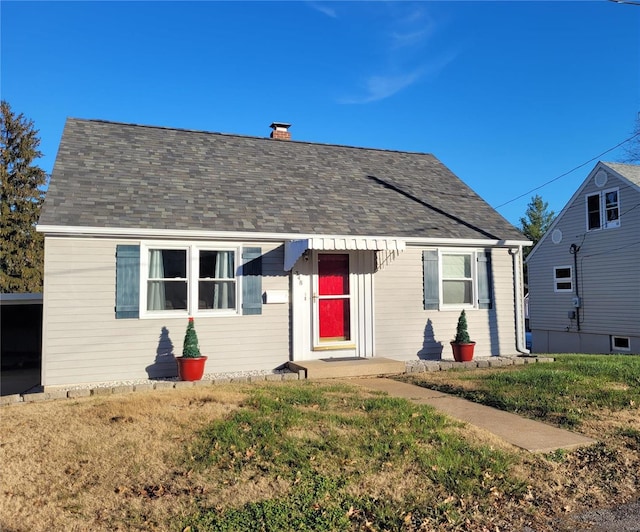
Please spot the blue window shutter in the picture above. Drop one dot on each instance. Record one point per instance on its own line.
(252, 280)
(127, 282)
(431, 282)
(484, 279)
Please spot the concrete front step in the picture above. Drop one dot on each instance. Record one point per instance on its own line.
(331, 368)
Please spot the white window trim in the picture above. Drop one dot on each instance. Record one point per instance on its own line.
(615, 223)
(620, 349)
(602, 205)
(474, 279)
(192, 249)
(556, 280)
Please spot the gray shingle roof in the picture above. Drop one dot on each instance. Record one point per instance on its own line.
(139, 177)
(630, 171)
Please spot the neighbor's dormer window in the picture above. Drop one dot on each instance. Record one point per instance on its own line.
(603, 210)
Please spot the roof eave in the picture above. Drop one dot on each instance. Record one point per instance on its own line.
(125, 232)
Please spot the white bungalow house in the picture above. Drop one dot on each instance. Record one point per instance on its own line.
(584, 274)
(281, 251)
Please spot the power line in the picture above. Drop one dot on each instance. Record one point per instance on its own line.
(567, 173)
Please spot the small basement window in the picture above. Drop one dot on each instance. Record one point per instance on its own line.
(620, 343)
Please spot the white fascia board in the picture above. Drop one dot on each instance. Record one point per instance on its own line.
(185, 234)
(467, 242)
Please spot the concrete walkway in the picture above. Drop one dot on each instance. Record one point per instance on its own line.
(527, 434)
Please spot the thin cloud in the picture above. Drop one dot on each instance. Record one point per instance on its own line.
(401, 63)
(382, 87)
(324, 9)
(401, 40)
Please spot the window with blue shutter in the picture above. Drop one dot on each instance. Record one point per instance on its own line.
(127, 281)
(484, 279)
(431, 281)
(251, 281)
(457, 287)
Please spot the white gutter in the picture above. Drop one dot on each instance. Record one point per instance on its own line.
(64, 230)
(516, 255)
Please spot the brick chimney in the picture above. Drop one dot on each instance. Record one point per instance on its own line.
(280, 131)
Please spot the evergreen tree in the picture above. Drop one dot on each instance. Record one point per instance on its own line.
(462, 333)
(21, 197)
(537, 221)
(190, 348)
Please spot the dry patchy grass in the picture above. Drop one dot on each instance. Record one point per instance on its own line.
(103, 463)
(122, 463)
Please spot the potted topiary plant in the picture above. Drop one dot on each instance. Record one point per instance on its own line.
(462, 345)
(191, 363)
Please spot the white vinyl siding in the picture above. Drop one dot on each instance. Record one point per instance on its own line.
(84, 342)
(405, 330)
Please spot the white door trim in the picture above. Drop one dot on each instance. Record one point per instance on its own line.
(303, 282)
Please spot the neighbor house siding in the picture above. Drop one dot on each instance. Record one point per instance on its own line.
(608, 279)
(84, 342)
(405, 330)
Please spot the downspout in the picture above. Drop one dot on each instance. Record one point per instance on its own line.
(574, 251)
(516, 256)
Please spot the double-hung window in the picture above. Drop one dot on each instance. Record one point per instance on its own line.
(457, 279)
(216, 279)
(167, 284)
(603, 210)
(193, 279)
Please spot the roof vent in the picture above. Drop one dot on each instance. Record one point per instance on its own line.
(280, 130)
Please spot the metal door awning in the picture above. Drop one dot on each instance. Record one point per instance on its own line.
(386, 249)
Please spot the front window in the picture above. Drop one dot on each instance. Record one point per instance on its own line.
(457, 279)
(190, 279)
(167, 279)
(563, 279)
(216, 280)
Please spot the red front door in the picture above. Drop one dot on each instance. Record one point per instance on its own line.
(333, 298)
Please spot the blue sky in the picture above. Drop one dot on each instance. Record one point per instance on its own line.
(508, 95)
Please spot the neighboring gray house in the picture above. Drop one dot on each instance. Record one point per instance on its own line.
(584, 274)
(281, 250)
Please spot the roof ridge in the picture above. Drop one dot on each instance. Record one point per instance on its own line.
(240, 136)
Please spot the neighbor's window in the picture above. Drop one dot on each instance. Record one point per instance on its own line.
(457, 279)
(611, 208)
(190, 280)
(620, 343)
(563, 279)
(603, 210)
(593, 212)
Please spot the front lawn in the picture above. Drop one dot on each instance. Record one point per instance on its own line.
(319, 456)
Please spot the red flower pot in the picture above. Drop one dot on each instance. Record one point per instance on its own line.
(191, 369)
(463, 352)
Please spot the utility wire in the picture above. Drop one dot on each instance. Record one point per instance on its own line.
(567, 173)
